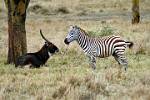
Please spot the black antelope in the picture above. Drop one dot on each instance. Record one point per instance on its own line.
(38, 58)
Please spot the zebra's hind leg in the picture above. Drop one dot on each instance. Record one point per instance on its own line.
(121, 59)
(92, 61)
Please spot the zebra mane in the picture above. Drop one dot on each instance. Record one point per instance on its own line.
(83, 31)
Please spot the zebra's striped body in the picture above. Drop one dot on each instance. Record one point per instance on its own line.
(99, 47)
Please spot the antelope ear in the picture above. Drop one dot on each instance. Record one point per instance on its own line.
(46, 43)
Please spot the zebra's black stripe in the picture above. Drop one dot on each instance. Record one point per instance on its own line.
(102, 47)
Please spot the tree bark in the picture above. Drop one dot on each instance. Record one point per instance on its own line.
(135, 12)
(16, 28)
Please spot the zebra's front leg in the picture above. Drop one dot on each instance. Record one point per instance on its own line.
(92, 61)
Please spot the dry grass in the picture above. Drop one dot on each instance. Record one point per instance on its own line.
(68, 76)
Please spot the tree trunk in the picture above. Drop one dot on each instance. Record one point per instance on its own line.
(16, 28)
(135, 12)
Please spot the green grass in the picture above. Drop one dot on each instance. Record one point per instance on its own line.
(70, 77)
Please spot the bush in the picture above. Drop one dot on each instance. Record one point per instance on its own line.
(105, 31)
(37, 9)
(62, 10)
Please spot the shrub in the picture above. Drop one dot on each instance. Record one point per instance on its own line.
(37, 9)
(105, 31)
(62, 10)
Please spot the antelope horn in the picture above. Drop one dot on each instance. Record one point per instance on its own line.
(43, 36)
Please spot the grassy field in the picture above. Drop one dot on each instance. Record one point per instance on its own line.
(67, 75)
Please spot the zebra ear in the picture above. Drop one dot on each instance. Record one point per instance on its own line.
(71, 27)
(76, 26)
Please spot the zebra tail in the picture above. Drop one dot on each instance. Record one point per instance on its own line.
(129, 44)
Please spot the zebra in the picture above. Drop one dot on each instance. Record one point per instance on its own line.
(99, 47)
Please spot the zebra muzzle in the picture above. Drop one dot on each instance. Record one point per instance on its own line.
(66, 41)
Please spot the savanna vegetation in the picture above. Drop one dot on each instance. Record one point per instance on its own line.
(67, 75)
